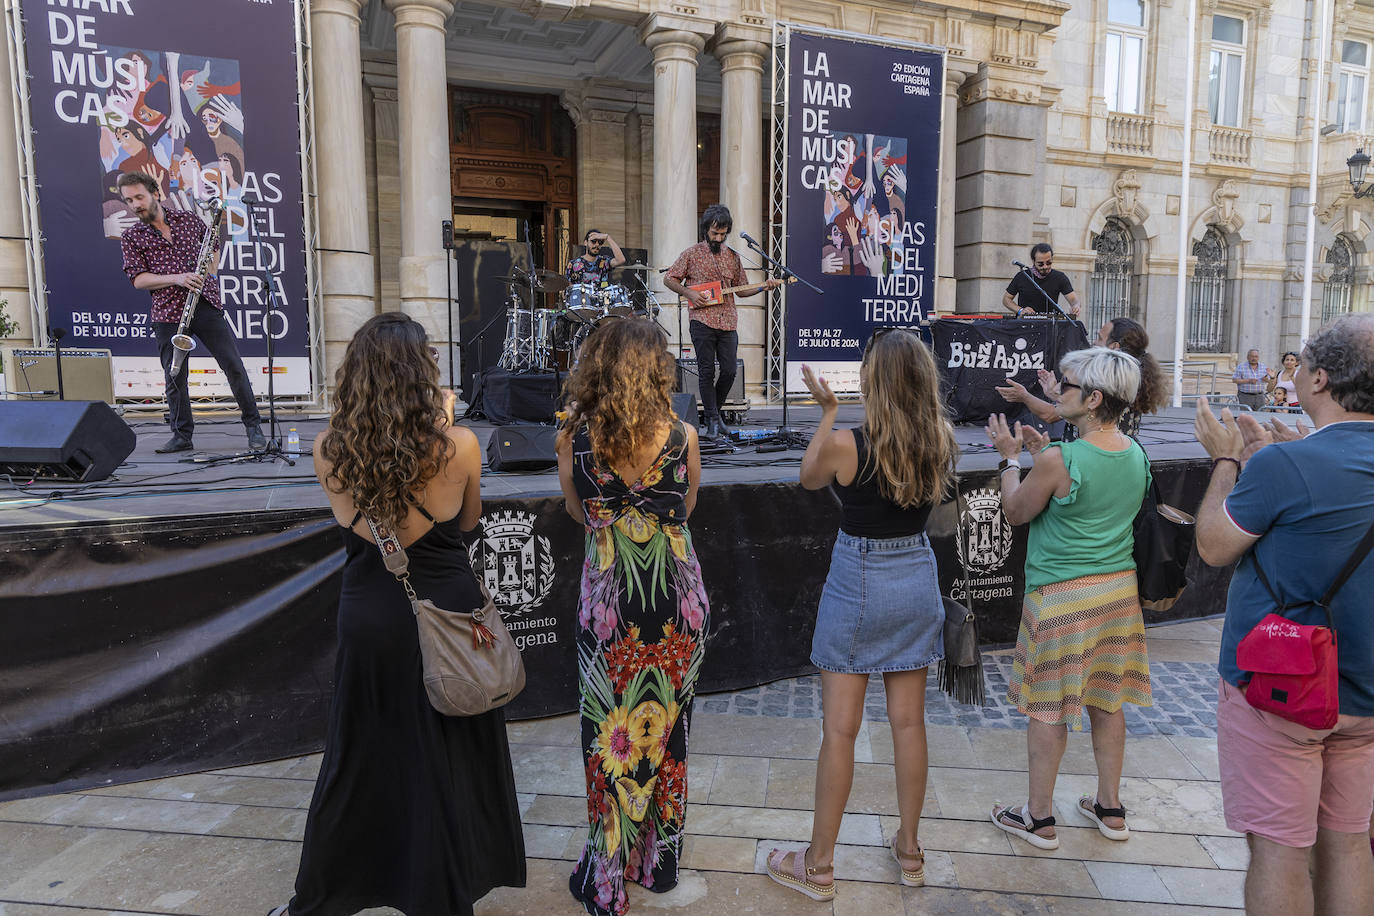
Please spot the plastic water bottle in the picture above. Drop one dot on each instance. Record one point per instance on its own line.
(293, 440)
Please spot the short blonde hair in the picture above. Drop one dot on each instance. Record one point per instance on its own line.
(1116, 375)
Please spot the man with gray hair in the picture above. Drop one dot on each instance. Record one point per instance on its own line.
(1296, 505)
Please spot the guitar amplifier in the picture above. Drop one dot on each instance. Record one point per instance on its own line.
(687, 382)
(31, 374)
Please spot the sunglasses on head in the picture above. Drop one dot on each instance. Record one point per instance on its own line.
(882, 332)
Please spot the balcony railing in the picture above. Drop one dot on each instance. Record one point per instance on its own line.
(1230, 145)
(1130, 134)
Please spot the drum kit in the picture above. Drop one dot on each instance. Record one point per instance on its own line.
(546, 339)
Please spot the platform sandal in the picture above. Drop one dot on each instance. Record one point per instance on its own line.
(797, 876)
(1019, 823)
(911, 877)
(1089, 808)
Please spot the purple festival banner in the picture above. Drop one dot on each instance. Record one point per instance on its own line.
(201, 96)
(863, 181)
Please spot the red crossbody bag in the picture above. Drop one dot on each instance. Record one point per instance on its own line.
(1292, 666)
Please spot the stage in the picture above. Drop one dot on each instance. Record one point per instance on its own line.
(179, 616)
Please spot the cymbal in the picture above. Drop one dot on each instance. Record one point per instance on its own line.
(521, 280)
(644, 267)
(552, 282)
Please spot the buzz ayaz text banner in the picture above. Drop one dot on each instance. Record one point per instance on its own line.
(863, 140)
(200, 96)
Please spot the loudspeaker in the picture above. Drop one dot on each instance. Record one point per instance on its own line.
(522, 448)
(687, 379)
(685, 406)
(31, 374)
(62, 440)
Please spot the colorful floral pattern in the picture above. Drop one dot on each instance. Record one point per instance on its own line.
(641, 631)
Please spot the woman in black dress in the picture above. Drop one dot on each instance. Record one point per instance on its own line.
(412, 809)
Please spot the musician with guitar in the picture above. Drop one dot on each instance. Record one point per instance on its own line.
(164, 254)
(707, 277)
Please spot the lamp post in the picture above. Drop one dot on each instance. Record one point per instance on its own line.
(1358, 165)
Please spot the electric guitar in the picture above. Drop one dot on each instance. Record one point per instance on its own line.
(715, 293)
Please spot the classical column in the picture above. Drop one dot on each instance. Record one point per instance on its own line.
(744, 168)
(949, 133)
(634, 181)
(743, 164)
(14, 276)
(346, 274)
(675, 50)
(426, 192)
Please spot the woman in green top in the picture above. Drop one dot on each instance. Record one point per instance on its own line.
(1082, 638)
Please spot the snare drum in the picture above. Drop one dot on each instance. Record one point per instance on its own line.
(582, 300)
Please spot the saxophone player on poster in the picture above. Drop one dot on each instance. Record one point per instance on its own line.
(171, 254)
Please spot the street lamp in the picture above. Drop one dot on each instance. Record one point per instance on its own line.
(1358, 164)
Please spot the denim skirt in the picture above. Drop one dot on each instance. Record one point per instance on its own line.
(881, 608)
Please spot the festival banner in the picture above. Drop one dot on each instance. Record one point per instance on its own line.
(863, 179)
(201, 96)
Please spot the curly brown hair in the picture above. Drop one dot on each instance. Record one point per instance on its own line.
(622, 389)
(1131, 337)
(387, 435)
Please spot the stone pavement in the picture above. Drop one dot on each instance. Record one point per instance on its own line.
(227, 842)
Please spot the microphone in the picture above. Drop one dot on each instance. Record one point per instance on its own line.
(749, 239)
(1019, 264)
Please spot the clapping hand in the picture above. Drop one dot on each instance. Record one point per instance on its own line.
(1282, 432)
(820, 390)
(1048, 383)
(1004, 438)
(1014, 392)
(1220, 437)
(1034, 440)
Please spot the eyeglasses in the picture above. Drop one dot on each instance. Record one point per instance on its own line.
(1044, 263)
(1063, 385)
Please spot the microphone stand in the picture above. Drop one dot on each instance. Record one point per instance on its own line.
(446, 233)
(785, 435)
(274, 448)
(56, 335)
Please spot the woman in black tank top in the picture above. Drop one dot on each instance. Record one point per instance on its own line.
(881, 610)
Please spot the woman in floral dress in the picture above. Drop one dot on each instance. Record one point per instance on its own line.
(630, 470)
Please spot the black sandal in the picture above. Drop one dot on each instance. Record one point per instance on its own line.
(1096, 813)
(1025, 825)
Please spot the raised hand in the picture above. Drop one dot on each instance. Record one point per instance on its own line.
(1282, 432)
(1220, 437)
(1003, 438)
(898, 177)
(1253, 436)
(1013, 391)
(820, 389)
(871, 253)
(1032, 438)
(229, 111)
(1048, 383)
(832, 263)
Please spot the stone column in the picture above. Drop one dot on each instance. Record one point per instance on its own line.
(14, 272)
(741, 51)
(675, 43)
(601, 196)
(1000, 138)
(634, 189)
(426, 190)
(944, 238)
(346, 267)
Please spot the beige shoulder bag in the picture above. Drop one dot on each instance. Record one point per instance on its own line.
(471, 663)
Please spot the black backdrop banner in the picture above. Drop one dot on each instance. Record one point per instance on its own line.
(134, 651)
(975, 356)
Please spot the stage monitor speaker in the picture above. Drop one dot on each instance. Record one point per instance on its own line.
(687, 379)
(522, 448)
(31, 374)
(685, 406)
(62, 440)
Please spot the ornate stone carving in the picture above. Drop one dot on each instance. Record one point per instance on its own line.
(1325, 214)
(1224, 199)
(1126, 190)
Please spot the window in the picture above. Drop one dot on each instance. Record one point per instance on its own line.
(1227, 70)
(1350, 89)
(1336, 292)
(1125, 55)
(1110, 292)
(1208, 294)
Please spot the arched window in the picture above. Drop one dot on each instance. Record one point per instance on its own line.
(1111, 291)
(1208, 294)
(1336, 295)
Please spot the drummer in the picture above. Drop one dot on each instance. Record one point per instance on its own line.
(594, 266)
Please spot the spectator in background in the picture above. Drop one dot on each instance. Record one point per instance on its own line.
(1302, 797)
(1284, 385)
(1252, 379)
(1082, 637)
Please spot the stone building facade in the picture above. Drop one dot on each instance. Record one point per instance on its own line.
(1063, 123)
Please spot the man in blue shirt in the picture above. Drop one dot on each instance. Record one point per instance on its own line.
(1299, 506)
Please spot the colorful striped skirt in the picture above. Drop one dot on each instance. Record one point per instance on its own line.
(1081, 642)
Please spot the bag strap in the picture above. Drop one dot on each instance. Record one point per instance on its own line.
(393, 554)
(1356, 558)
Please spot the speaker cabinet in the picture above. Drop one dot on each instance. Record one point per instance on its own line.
(31, 374)
(62, 440)
(687, 381)
(522, 448)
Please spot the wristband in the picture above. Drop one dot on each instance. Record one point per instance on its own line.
(1217, 461)
(1006, 463)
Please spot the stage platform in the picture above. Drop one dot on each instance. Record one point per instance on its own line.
(212, 481)
(180, 616)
